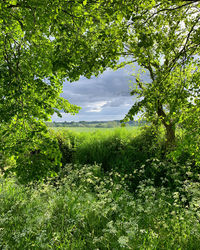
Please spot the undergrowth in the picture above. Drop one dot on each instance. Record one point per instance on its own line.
(115, 190)
(86, 209)
(119, 149)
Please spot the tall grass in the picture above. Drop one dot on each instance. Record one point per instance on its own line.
(119, 148)
(116, 190)
(90, 210)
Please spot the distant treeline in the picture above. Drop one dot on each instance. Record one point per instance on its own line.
(95, 124)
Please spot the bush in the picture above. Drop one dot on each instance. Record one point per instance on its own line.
(27, 149)
(67, 141)
(37, 162)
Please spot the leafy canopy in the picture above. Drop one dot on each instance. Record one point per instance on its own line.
(163, 38)
(42, 43)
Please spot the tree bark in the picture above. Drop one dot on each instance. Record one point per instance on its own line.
(170, 136)
(169, 126)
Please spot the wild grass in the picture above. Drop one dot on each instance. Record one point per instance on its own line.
(94, 129)
(111, 148)
(87, 209)
(116, 190)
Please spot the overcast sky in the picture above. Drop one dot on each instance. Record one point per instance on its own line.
(103, 98)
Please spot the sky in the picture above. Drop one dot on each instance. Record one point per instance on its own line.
(103, 98)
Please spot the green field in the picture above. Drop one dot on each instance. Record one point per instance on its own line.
(135, 130)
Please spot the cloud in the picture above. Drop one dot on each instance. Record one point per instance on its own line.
(96, 106)
(106, 97)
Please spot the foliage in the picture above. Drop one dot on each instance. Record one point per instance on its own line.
(121, 150)
(68, 142)
(29, 151)
(42, 43)
(111, 148)
(137, 157)
(86, 207)
(161, 39)
(90, 210)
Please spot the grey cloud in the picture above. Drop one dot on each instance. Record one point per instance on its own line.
(120, 101)
(106, 97)
(109, 84)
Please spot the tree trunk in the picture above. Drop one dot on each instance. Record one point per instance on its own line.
(170, 136)
(169, 126)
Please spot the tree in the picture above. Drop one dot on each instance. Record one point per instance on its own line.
(162, 39)
(44, 42)
(41, 44)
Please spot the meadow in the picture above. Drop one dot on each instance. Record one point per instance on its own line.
(115, 190)
(134, 129)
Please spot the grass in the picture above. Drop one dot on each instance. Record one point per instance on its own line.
(83, 136)
(90, 210)
(114, 191)
(94, 129)
(119, 148)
